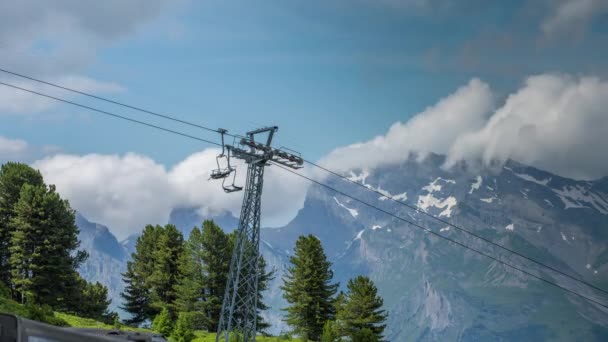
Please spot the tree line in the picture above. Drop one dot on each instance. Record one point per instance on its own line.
(178, 285)
(39, 255)
(170, 279)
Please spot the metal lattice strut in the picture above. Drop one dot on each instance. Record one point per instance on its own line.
(239, 307)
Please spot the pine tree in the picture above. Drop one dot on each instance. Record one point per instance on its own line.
(12, 178)
(184, 328)
(361, 309)
(216, 249)
(328, 334)
(152, 273)
(43, 247)
(308, 289)
(364, 335)
(136, 296)
(164, 275)
(162, 323)
(190, 291)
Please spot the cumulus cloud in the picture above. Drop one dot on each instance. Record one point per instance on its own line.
(56, 40)
(123, 192)
(127, 192)
(12, 148)
(433, 130)
(554, 122)
(572, 16)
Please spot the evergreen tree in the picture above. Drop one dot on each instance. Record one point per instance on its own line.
(361, 309)
(308, 289)
(136, 296)
(184, 328)
(164, 275)
(190, 291)
(364, 335)
(43, 247)
(94, 302)
(216, 251)
(162, 323)
(328, 334)
(12, 178)
(152, 273)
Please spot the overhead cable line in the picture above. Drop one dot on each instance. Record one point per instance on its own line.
(413, 224)
(109, 114)
(139, 109)
(466, 231)
(307, 161)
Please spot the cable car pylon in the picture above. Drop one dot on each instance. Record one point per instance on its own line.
(239, 307)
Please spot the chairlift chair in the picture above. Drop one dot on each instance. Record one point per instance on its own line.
(224, 173)
(231, 187)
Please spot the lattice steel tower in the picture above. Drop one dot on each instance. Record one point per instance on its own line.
(239, 308)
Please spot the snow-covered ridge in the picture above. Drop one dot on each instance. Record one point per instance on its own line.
(578, 196)
(354, 213)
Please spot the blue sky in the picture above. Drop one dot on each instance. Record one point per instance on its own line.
(353, 83)
(328, 73)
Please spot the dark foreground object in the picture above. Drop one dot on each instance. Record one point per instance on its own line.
(17, 329)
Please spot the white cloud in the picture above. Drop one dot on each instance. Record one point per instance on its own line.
(56, 40)
(554, 122)
(572, 15)
(433, 130)
(127, 192)
(12, 148)
(123, 192)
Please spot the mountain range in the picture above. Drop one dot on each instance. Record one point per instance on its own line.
(434, 289)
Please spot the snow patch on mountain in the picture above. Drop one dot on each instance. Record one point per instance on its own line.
(487, 200)
(575, 196)
(433, 186)
(354, 213)
(401, 197)
(444, 229)
(564, 236)
(424, 202)
(358, 178)
(374, 227)
(476, 185)
(529, 178)
(510, 227)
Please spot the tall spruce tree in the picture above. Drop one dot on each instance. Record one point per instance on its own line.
(308, 289)
(12, 178)
(136, 296)
(216, 251)
(165, 271)
(152, 273)
(190, 291)
(360, 313)
(43, 247)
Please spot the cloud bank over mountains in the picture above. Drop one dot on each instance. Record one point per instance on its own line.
(554, 122)
(127, 192)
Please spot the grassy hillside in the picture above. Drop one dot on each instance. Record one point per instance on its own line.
(61, 319)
